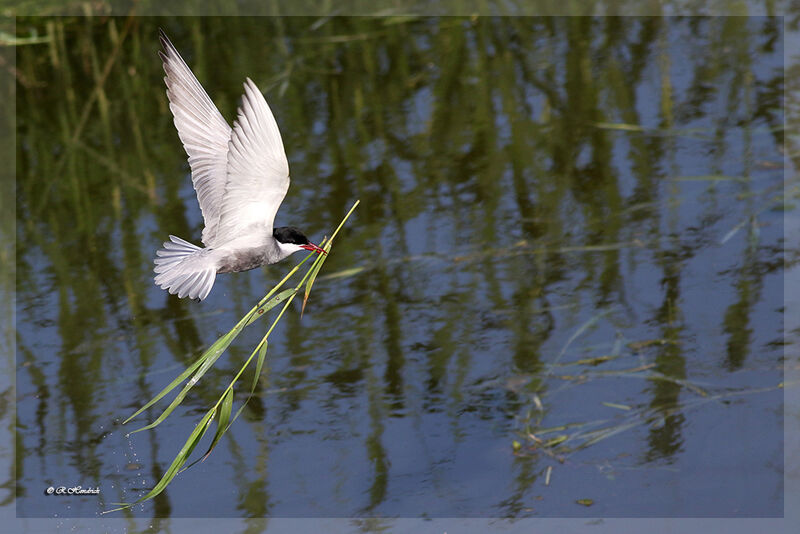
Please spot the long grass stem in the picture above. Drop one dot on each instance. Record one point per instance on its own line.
(222, 408)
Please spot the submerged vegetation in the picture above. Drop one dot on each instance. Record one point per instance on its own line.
(620, 360)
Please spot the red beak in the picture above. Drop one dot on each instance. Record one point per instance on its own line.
(314, 248)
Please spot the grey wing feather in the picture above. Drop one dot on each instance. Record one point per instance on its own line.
(257, 169)
(204, 133)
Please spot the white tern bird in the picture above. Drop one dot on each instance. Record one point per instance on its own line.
(240, 175)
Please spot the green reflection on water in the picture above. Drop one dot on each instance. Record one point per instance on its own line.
(517, 176)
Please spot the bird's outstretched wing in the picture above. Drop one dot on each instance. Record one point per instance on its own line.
(203, 131)
(258, 172)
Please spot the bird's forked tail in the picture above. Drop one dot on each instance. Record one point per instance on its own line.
(185, 269)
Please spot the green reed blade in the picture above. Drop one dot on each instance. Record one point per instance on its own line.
(355, 204)
(180, 378)
(207, 360)
(313, 275)
(274, 301)
(321, 259)
(198, 432)
(262, 354)
(223, 416)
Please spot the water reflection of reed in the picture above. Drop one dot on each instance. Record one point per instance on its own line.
(460, 135)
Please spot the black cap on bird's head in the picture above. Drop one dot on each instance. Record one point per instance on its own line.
(292, 236)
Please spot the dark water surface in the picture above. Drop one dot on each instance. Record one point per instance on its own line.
(564, 281)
